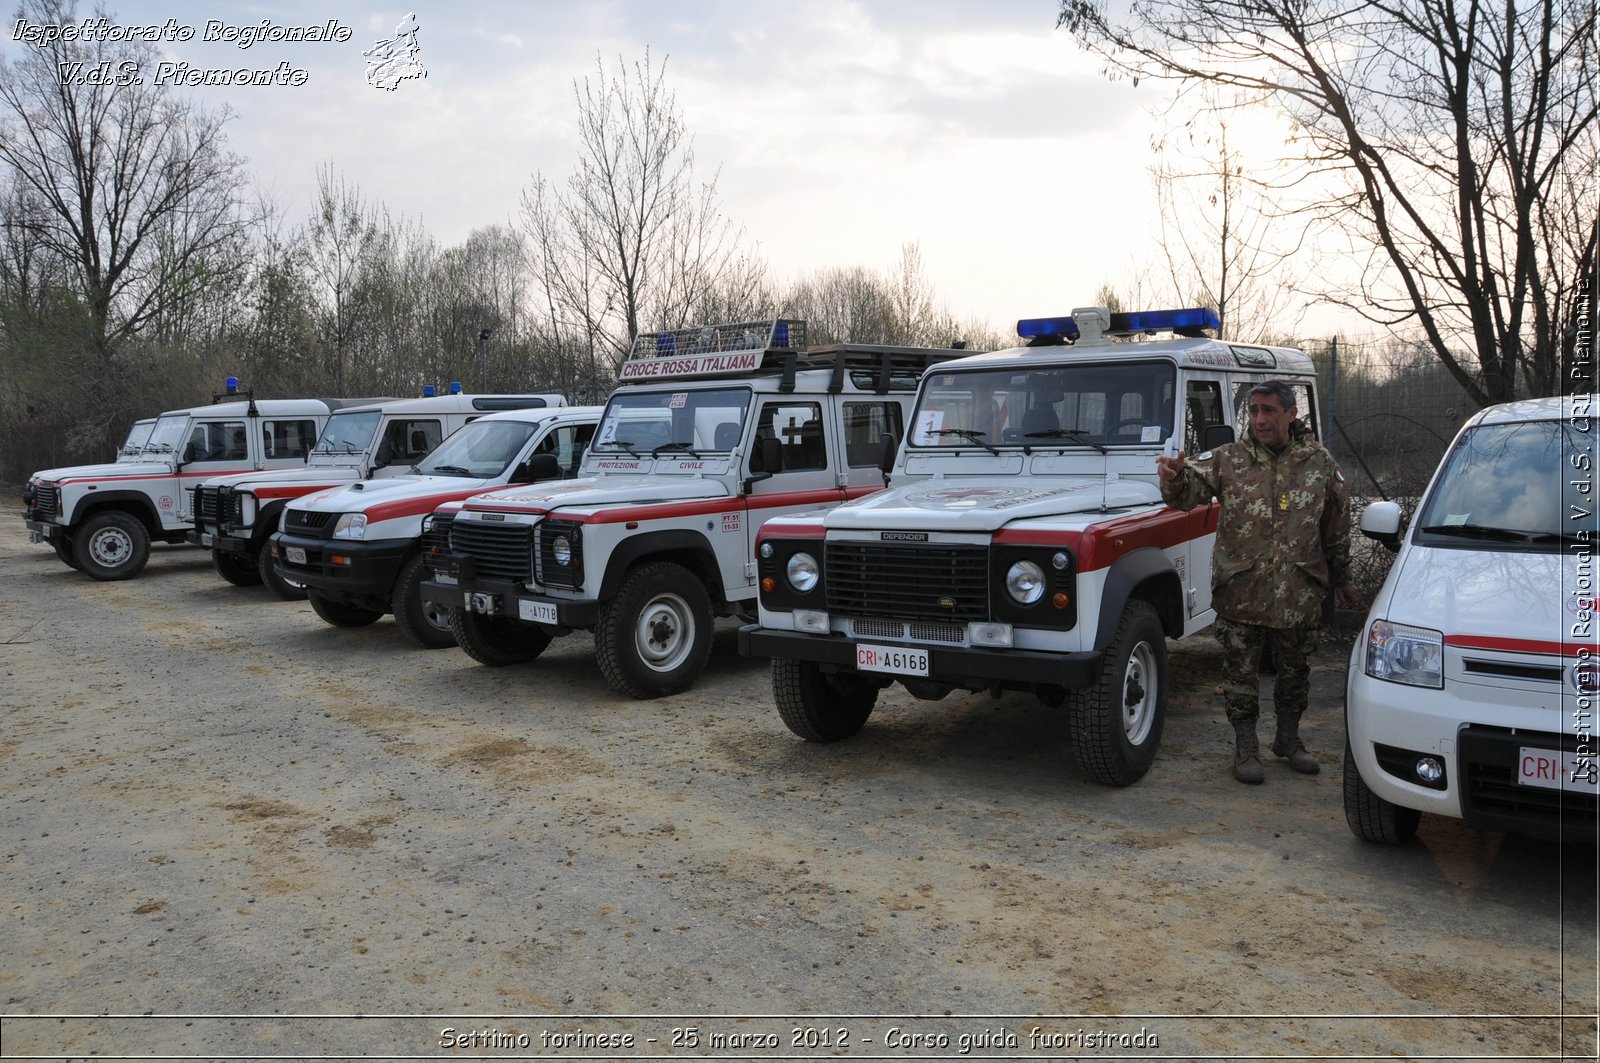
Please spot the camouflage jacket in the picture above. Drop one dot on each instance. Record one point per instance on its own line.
(1284, 537)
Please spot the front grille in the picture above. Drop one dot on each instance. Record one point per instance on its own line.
(205, 506)
(925, 581)
(300, 520)
(501, 551)
(45, 499)
(550, 573)
(436, 539)
(230, 508)
(953, 634)
(1488, 764)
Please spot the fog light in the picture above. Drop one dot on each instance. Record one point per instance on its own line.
(1059, 600)
(767, 583)
(989, 634)
(813, 620)
(1429, 770)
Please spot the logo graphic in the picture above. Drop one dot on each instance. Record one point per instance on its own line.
(393, 61)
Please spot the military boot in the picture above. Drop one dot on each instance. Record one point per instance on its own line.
(1287, 744)
(1247, 754)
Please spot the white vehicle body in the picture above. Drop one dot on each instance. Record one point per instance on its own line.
(1022, 543)
(235, 514)
(357, 549)
(710, 432)
(102, 518)
(1471, 690)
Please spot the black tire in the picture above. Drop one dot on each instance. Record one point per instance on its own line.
(653, 638)
(287, 589)
(1372, 818)
(424, 623)
(819, 706)
(1117, 723)
(235, 568)
(341, 614)
(63, 549)
(112, 545)
(496, 641)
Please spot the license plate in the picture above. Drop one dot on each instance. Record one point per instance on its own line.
(538, 612)
(1551, 769)
(295, 555)
(206, 539)
(896, 660)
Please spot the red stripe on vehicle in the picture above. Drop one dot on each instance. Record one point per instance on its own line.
(1491, 642)
(287, 492)
(418, 507)
(1098, 546)
(157, 476)
(619, 513)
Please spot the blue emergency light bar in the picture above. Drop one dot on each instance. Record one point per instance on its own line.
(455, 387)
(719, 339)
(231, 385)
(1185, 322)
(429, 391)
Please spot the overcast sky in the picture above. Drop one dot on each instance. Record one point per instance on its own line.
(837, 130)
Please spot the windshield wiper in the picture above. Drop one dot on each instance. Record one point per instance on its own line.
(449, 470)
(623, 443)
(688, 448)
(1482, 531)
(1075, 434)
(971, 435)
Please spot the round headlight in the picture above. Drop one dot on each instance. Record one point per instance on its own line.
(561, 550)
(1025, 582)
(802, 572)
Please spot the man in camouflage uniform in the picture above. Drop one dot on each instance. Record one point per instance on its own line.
(1282, 542)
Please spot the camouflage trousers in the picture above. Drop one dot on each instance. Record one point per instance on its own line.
(1241, 668)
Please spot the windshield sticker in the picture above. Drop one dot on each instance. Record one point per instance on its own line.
(1150, 433)
(929, 422)
(679, 400)
(1452, 519)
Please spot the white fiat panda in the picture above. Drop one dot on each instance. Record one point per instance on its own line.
(1473, 686)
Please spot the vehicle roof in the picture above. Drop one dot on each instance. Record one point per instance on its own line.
(264, 407)
(544, 413)
(1188, 352)
(1551, 408)
(460, 403)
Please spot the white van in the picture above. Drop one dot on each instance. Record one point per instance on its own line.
(1473, 686)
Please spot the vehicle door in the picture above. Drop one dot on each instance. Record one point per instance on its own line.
(809, 473)
(864, 420)
(1206, 405)
(212, 447)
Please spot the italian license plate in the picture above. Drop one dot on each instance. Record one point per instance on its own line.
(1551, 769)
(538, 612)
(896, 660)
(206, 539)
(295, 555)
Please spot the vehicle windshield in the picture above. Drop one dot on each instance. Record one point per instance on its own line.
(654, 423)
(482, 449)
(138, 436)
(1051, 406)
(168, 434)
(348, 433)
(1513, 482)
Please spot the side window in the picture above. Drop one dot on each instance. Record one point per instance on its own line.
(410, 440)
(287, 439)
(567, 443)
(864, 423)
(798, 427)
(217, 441)
(1203, 408)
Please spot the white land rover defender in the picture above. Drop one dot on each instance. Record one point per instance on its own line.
(357, 549)
(102, 518)
(1022, 543)
(709, 432)
(235, 515)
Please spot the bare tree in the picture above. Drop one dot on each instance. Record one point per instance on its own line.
(129, 183)
(1456, 141)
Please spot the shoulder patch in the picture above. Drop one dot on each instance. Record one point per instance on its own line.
(1207, 456)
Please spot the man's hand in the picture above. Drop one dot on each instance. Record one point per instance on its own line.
(1348, 595)
(1169, 468)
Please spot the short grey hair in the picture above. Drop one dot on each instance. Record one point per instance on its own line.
(1279, 390)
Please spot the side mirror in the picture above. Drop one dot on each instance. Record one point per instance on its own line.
(188, 454)
(538, 467)
(1380, 522)
(888, 446)
(1217, 435)
(384, 456)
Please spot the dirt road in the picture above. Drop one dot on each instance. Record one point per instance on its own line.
(213, 805)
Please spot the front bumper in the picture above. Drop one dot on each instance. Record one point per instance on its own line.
(967, 667)
(40, 531)
(504, 598)
(364, 571)
(226, 542)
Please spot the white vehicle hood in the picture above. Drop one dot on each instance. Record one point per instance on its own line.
(267, 477)
(109, 471)
(363, 495)
(1489, 593)
(985, 504)
(598, 491)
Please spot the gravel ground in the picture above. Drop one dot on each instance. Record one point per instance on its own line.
(227, 829)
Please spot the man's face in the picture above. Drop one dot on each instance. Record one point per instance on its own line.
(1270, 420)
